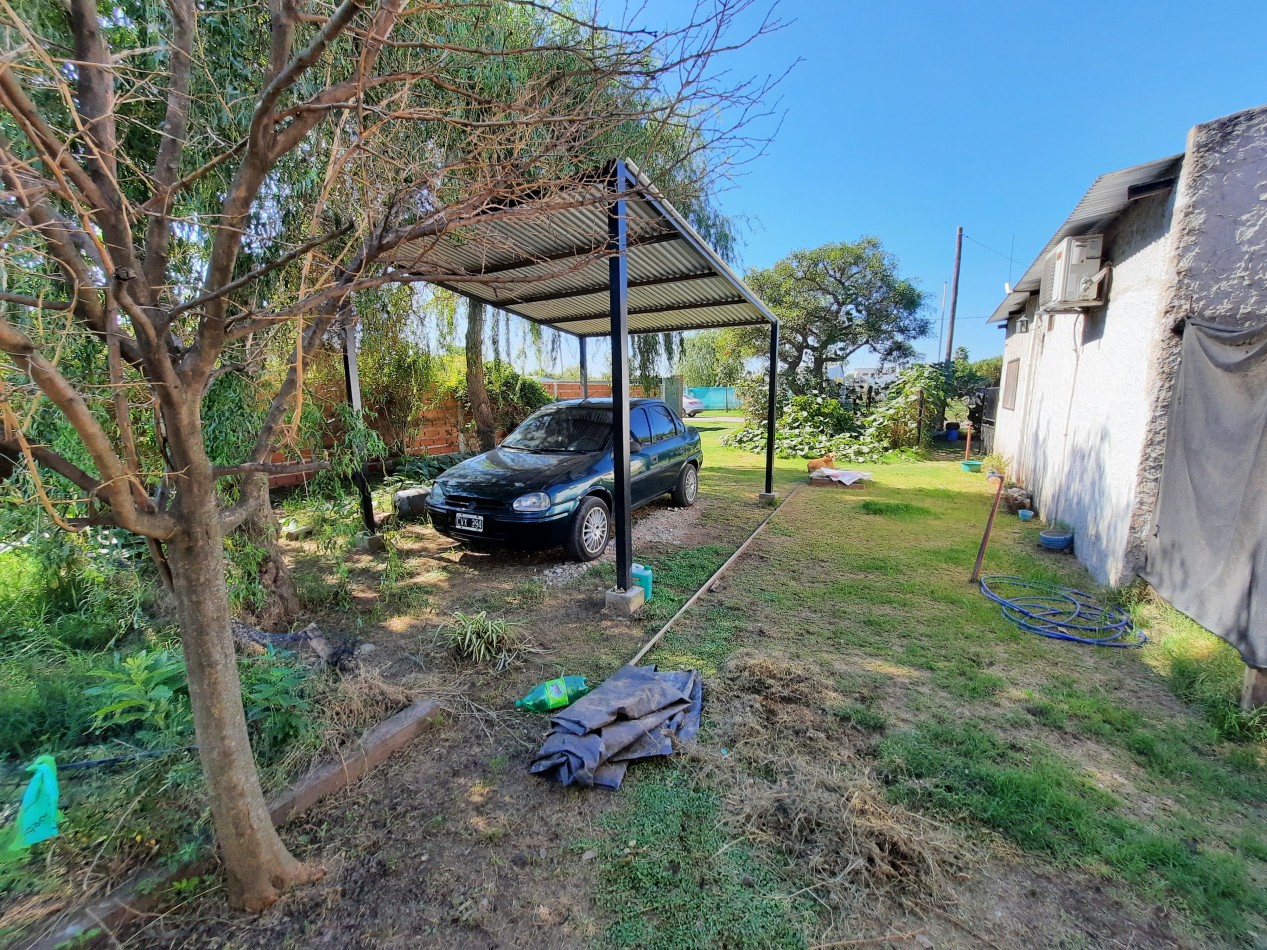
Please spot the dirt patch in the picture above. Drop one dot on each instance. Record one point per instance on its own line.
(450, 844)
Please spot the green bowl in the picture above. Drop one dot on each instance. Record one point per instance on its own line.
(971, 465)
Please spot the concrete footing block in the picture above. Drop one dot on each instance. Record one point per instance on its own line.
(768, 497)
(626, 603)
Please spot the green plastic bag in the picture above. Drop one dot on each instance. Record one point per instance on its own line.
(37, 815)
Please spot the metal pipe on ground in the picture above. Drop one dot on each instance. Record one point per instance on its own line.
(708, 584)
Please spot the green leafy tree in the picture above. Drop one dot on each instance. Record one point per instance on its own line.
(711, 358)
(833, 301)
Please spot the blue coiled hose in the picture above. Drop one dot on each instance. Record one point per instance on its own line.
(1061, 613)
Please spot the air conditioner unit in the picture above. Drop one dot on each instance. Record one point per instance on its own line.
(1073, 275)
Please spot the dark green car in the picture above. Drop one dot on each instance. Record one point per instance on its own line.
(550, 481)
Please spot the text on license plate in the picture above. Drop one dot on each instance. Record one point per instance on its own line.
(469, 522)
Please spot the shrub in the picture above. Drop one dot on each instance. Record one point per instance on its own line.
(61, 588)
(144, 694)
(479, 638)
(809, 426)
(43, 706)
(814, 425)
(276, 697)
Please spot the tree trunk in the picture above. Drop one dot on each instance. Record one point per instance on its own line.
(257, 864)
(476, 390)
(281, 603)
(820, 368)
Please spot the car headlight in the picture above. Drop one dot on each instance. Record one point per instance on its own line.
(437, 493)
(533, 501)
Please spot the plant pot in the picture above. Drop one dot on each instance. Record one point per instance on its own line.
(1055, 540)
(971, 465)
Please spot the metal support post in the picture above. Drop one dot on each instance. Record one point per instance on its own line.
(618, 293)
(771, 409)
(352, 376)
(585, 372)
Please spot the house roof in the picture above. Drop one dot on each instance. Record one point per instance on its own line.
(546, 261)
(1107, 197)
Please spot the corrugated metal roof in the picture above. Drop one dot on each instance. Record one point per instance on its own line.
(550, 265)
(1107, 197)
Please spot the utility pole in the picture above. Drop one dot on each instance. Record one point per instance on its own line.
(941, 326)
(954, 295)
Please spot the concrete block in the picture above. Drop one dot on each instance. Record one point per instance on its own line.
(626, 603)
(411, 502)
(768, 498)
(369, 544)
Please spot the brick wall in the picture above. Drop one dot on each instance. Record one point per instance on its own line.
(437, 431)
(571, 389)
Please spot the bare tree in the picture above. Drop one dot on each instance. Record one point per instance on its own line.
(181, 192)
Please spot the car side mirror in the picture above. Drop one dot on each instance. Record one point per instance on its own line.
(634, 446)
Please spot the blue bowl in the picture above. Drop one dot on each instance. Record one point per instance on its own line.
(971, 465)
(1025, 514)
(1054, 540)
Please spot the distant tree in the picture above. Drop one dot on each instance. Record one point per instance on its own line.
(711, 358)
(966, 376)
(989, 369)
(833, 301)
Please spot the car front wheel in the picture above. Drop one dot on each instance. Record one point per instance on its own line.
(591, 526)
(687, 489)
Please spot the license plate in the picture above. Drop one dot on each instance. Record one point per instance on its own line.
(469, 522)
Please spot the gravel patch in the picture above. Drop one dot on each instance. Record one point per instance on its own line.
(652, 528)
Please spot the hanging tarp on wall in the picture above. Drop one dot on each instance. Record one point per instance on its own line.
(1207, 554)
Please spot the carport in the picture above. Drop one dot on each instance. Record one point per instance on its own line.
(610, 259)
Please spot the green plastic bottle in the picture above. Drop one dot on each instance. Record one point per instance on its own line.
(554, 694)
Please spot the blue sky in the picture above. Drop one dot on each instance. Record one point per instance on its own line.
(907, 119)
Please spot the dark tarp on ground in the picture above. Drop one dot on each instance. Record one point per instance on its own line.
(1207, 555)
(635, 714)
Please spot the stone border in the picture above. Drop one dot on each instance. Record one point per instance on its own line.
(143, 891)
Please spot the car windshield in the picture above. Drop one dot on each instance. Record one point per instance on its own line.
(563, 429)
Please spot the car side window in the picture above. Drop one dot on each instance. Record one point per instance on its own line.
(661, 423)
(639, 427)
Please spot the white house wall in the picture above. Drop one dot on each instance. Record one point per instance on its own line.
(1075, 434)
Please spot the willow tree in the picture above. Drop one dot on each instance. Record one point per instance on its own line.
(184, 186)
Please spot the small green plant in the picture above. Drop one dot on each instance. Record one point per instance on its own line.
(479, 638)
(145, 694)
(996, 462)
(275, 696)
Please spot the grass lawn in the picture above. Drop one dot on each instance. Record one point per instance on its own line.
(883, 757)
(1037, 764)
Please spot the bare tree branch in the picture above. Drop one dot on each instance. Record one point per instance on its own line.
(175, 133)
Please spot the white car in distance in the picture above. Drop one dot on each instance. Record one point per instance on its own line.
(691, 406)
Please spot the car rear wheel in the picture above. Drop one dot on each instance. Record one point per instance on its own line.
(591, 526)
(687, 489)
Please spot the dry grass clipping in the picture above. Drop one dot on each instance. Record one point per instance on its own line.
(794, 781)
(349, 705)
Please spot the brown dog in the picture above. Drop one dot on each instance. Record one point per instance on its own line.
(827, 461)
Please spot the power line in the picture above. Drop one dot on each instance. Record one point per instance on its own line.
(1006, 257)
